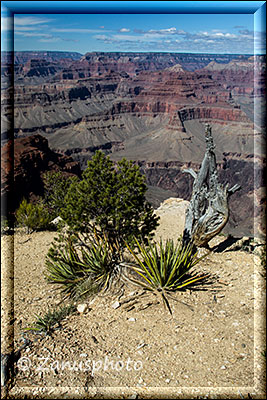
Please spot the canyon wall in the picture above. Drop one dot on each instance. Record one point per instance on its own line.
(23, 163)
(148, 107)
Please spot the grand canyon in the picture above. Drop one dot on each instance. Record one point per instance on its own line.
(147, 107)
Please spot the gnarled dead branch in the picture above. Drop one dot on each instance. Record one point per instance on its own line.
(208, 210)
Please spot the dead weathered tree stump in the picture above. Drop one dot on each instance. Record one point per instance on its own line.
(208, 210)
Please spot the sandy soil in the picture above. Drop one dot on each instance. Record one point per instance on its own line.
(210, 347)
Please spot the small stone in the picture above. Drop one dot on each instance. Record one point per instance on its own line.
(133, 396)
(140, 380)
(81, 308)
(115, 305)
(223, 367)
(167, 380)
(56, 221)
(132, 319)
(140, 346)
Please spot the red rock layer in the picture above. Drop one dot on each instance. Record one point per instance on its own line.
(23, 164)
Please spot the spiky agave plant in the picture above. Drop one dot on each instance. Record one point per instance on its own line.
(84, 270)
(165, 268)
(102, 259)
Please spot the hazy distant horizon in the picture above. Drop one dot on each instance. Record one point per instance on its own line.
(154, 33)
(127, 52)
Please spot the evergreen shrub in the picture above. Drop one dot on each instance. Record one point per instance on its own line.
(111, 199)
(33, 217)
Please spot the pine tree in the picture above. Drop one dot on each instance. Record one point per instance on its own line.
(55, 188)
(111, 198)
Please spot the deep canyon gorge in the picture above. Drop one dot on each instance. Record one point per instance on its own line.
(59, 108)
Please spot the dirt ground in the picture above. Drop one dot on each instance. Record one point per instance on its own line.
(210, 347)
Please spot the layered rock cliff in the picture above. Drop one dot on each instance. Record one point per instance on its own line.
(149, 107)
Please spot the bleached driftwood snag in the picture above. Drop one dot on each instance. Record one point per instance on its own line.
(208, 210)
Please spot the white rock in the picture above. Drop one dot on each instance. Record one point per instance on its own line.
(167, 380)
(223, 367)
(81, 308)
(132, 319)
(115, 305)
(133, 396)
(56, 221)
(174, 209)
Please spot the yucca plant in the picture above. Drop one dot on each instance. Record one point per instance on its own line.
(165, 268)
(52, 318)
(84, 270)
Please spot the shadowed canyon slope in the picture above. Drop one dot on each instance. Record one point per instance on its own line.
(149, 107)
(22, 175)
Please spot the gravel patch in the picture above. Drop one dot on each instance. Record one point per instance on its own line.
(125, 345)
